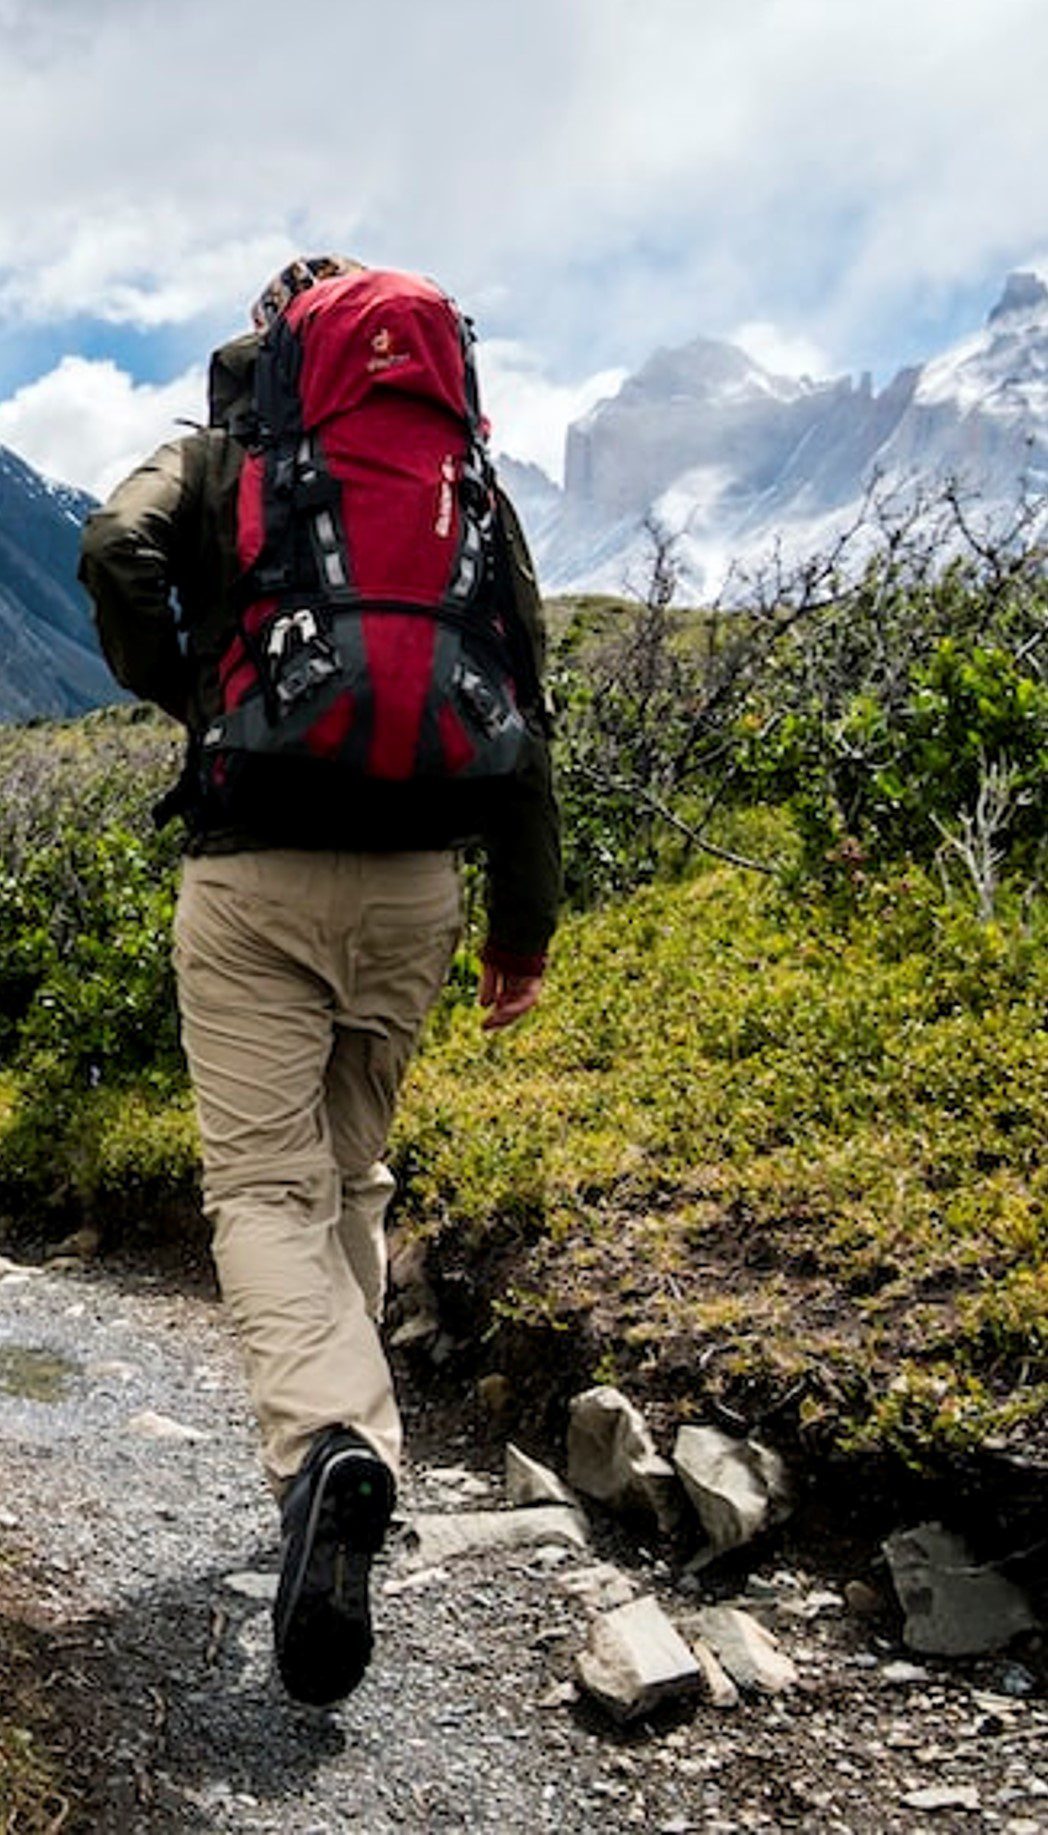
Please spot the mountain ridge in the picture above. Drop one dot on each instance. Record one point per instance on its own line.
(727, 455)
(51, 665)
(733, 459)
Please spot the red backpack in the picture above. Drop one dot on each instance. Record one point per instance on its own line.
(370, 694)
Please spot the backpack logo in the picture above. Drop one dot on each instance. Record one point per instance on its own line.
(383, 355)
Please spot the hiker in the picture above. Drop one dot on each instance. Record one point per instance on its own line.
(327, 589)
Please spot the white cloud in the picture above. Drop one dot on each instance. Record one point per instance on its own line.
(784, 353)
(597, 176)
(88, 423)
(141, 267)
(529, 413)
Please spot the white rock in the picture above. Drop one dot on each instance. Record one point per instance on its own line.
(750, 1654)
(409, 1583)
(112, 1368)
(636, 1658)
(553, 1554)
(612, 1457)
(261, 1587)
(152, 1426)
(954, 1606)
(808, 1606)
(558, 1695)
(7, 1520)
(416, 1330)
(738, 1487)
(718, 1685)
(475, 1487)
(10, 1270)
(943, 1797)
(901, 1674)
(600, 1587)
(441, 1537)
(453, 1476)
(530, 1482)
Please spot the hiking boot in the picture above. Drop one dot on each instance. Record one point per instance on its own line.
(334, 1517)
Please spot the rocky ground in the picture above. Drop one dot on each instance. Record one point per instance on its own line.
(137, 1556)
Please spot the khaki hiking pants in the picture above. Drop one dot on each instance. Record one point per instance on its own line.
(303, 979)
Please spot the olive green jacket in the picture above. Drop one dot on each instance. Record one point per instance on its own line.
(168, 533)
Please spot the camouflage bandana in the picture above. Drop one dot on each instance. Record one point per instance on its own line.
(304, 272)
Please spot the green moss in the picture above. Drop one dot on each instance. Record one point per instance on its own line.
(814, 1137)
(30, 1801)
(757, 1136)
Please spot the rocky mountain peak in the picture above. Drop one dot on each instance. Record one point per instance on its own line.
(49, 658)
(1023, 292)
(733, 458)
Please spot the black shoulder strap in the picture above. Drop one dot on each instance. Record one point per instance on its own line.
(278, 373)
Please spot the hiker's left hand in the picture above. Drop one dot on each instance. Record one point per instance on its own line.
(506, 997)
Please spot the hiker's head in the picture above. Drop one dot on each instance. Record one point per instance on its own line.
(299, 274)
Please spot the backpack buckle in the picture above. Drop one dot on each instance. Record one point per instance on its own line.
(299, 654)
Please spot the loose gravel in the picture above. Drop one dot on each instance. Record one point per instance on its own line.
(138, 1555)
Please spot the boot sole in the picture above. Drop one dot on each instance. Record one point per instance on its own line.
(322, 1616)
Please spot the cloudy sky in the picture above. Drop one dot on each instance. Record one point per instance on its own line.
(839, 184)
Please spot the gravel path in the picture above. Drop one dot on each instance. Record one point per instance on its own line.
(140, 1567)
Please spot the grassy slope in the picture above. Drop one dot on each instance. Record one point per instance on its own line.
(752, 1145)
(749, 1147)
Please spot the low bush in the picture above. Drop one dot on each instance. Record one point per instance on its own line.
(759, 1134)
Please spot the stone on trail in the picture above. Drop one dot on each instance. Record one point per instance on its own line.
(862, 1600)
(151, 1426)
(903, 1675)
(529, 1482)
(13, 1273)
(612, 1457)
(738, 1487)
(635, 1659)
(719, 1688)
(600, 1587)
(751, 1655)
(82, 1246)
(412, 1583)
(440, 1537)
(111, 1369)
(260, 1587)
(415, 1330)
(943, 1797)
(558, 1695)
(419, 1312)
(954, 1606)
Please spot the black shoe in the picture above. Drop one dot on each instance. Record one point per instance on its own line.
(334, 1518)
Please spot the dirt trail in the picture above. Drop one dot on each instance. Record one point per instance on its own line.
(134, 1574)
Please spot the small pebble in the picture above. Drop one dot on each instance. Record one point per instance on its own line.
(902, 1674)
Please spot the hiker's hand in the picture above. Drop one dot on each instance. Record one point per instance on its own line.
(506, 997)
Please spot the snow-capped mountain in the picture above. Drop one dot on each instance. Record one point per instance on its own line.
(731, 458)
(49, 657)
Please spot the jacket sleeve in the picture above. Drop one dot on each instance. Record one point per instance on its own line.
(523, 852)
(128, 563)
(523, 868)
